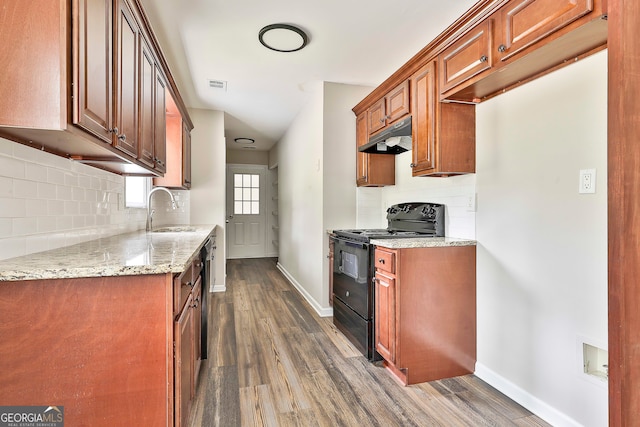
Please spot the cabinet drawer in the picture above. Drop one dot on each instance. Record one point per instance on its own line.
(182, 286)
(385, 261)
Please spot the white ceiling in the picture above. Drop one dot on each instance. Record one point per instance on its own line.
(359, 42)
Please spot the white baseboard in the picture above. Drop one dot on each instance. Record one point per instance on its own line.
(218, 288)
(322, 312)
(524, 398)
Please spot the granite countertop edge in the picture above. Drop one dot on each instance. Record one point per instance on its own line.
(422, 242)
(127, 254)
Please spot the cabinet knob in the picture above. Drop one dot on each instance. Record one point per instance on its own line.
(381, 260)
(412, 165)
(346, 294)
(502, 48)
(122, 137)
(114, 130)
(484, 58)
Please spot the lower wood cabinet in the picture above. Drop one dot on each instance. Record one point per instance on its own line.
(113, 351)
(425, 306)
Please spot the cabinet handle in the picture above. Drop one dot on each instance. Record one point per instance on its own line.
(502, 48)
(381, 260)
(190, 284)
(346, 294)
(484, 58)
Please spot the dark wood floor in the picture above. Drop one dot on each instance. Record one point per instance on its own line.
(274, 362)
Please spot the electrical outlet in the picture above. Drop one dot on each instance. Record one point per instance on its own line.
(587, 181)
(471, 203)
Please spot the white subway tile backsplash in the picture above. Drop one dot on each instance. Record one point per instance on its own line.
(25, 226)
(64, 223)
(46, 191)
(55, 176)
(55, 207)
(48, 201)
(64, 193)
(36, 207)
(70, 179)
(11, 168)
(6, 187)
(6, 227)
(12, 208)
(46, 224)
(23, 189)
(12, 247)
(6, 147)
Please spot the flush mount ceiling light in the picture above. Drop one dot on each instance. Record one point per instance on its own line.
(244, 140)
(283, 37)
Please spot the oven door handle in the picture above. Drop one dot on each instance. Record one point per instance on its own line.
(355, 244)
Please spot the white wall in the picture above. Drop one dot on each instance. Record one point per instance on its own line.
(208, 175)
(542, 247)
(316, 168)
(47, 202)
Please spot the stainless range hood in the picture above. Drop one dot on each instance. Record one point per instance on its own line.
(393, 140)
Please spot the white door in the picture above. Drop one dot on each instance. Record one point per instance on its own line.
(246, 216)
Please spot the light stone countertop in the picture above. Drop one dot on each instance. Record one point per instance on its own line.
(126, 254)
(422, 242)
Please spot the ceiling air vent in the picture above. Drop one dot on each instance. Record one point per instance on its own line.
(218, 84)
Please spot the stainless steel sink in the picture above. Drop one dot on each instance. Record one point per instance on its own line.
(175, 229)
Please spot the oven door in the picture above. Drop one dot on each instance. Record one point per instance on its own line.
(352, 276)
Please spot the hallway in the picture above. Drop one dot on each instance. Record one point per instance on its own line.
(274, 362)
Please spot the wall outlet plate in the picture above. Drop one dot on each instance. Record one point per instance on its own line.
(587, 184)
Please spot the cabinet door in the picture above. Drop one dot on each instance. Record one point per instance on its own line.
(424, 98)
(376, 116)
(466, 58)
(361, 158)
(146, 126)
(93, 63)
(183, 381)
(186, 156)
(385, 293)
(197, 330)
(397, 103)
(525, 22)
(127, 80)
(160, 122)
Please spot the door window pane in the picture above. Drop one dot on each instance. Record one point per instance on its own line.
(246, 194)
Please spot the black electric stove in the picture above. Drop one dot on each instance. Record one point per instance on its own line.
(353, 296)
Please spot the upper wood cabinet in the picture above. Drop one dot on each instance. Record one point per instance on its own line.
(93, 91)
(126, 69)
(392, 107)
(468, 57)
(525, 22)
(83, 85)
(178, 146)
(443, 134)
(518, 41)
(372, 170)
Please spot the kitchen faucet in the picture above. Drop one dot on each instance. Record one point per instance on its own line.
(151, 211)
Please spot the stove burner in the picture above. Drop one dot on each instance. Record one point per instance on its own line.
(404, 220)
